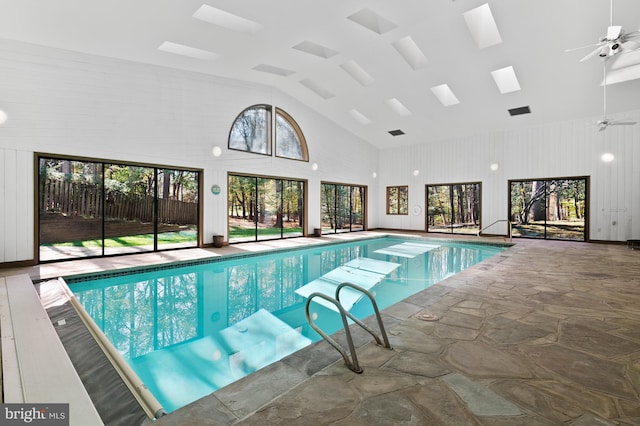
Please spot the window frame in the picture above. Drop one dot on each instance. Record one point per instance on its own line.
(298, 132)
(268, 131)
(398, 207)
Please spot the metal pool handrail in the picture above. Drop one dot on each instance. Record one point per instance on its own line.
(352, 363)
(498, 221)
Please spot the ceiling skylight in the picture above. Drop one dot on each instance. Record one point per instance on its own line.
(357, 73)
(317, 89)
(482, 26)
(409, 50)
(371, 20)
(315, 49)
(398, 107)
(226, 20)
(270, 69)
(191, 52)
(445, 95)
(359, 117)
(506, 80)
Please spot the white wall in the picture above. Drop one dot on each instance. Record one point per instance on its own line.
(554, 150)
(69, 103)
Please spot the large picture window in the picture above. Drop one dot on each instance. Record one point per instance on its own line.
(264, 208)
(343, 208)
(454, 208)
(89, 208)
(549, 208)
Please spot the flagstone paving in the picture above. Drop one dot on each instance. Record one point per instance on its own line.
(545, 333)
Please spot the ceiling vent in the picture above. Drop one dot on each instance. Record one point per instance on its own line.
(520, 111)
(396, 132)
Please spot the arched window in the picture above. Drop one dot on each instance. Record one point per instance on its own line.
(251, 130)
(290, 142)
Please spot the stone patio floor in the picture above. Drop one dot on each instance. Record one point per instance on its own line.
(545, 333)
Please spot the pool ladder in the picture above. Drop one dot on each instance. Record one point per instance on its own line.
(352, 363)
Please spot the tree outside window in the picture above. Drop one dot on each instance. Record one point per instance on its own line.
(398, 200)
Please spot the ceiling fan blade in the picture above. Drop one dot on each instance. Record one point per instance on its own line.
(613, 32)
(583, 47)
(622, 123)
(592, 54)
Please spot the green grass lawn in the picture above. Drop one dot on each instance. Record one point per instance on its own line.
(133, 240)
(239, 232)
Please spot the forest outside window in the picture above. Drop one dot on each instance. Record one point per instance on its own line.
(89, 208)
(252, 132)
(264, 208)
(454, 208)
(553, 208)
(342, 208)
(397, 200)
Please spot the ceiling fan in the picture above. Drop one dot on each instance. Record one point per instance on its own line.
(606, 122)
(616, 41)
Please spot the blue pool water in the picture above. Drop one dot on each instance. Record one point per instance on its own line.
(190, 330)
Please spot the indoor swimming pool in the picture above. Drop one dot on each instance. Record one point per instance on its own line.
(188, 330)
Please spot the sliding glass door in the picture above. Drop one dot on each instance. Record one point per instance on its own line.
(91, 208)
(264, 208)
(454, 208)
(554, 209)
(342, 208)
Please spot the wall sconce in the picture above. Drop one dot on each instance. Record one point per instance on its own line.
(494, 166)
(416, 172)
(607, 157)
(314, 166)
(216, 151)
(3, 117)
(374, 175)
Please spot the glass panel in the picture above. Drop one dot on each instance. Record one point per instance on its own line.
(528, 205)
(343, 208)
(129, 209)
(403, 200)
(269, 208)
(292, 208)
(177, 209)
(288, 144)
(392, 200)
(328, 209)
(250, 132)
(357, 208)
(70, 209)
(439, 211)
(242, 207)
(566, 209)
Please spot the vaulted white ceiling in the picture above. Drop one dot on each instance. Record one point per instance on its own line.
(371, 66)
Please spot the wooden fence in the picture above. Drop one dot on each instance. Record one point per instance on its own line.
(77, 199)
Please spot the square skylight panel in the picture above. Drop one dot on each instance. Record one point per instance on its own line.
(317, 89)
(315, 49)
(482, 26)
(372, 21)
(506, 80)
(357, 73)
(398, 107)
(191, 52)
(359, 117)
(226, 20)
(270, 69)
(409, 50)
(445, 95)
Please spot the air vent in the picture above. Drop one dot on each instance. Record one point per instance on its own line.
(520, 111)
(396, 132)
